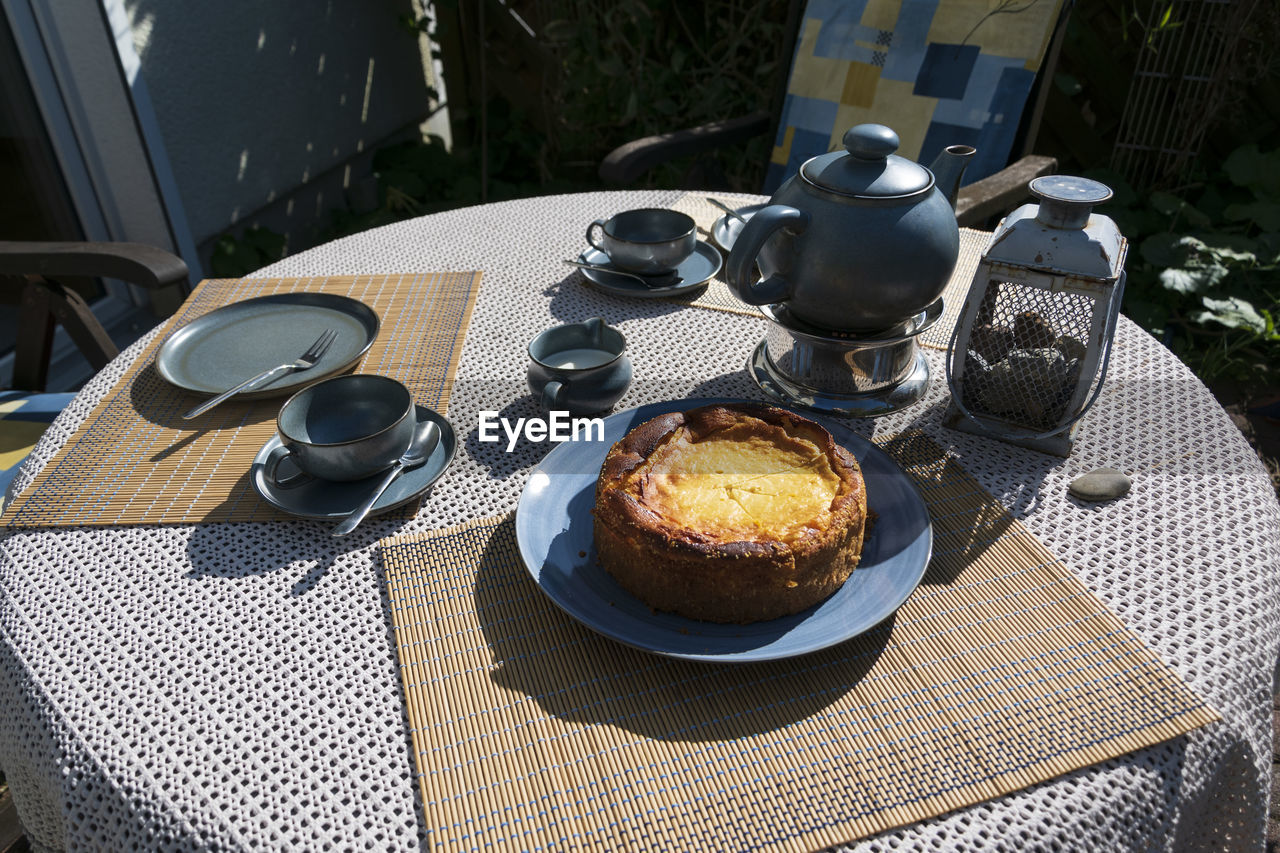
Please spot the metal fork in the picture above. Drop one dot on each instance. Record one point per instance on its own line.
(305, 362)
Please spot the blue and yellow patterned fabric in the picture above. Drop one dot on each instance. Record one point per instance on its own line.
(23, 419)
(939, 72)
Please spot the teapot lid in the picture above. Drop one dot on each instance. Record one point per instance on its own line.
(867, 168)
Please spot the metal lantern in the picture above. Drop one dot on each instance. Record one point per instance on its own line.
(1029, 352)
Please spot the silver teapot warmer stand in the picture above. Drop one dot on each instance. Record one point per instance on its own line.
(842, 373)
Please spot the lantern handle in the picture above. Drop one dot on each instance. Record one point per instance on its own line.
(1112, 317)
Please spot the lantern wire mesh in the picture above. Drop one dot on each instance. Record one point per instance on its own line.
(1024, 357)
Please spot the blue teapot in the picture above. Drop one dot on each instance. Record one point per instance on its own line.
(858, 240)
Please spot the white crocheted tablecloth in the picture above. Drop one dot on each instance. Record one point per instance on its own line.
(235, 686)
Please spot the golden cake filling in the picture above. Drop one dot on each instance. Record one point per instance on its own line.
(731, 513)
(740, 484)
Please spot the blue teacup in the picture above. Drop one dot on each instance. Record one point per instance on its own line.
(344, 428)
(581, 368)
(648, 240)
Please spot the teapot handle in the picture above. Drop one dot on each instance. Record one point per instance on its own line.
(740, 269)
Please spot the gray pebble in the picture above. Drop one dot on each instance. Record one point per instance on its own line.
(1100, 484)
(1070, 348)
(1025, 383)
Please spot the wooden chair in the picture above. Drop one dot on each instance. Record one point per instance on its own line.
(926, 79)
(30, 274)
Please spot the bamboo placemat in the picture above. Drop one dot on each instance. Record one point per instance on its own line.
(719, 297)
(972, 245)
(531, 731)
(135, 461)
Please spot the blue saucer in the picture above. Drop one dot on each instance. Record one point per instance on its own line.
(694, 272)
(326, 499)
(554, 534)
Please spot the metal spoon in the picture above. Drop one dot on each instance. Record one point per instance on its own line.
(727, 209)
(425, 439)
(647, 280)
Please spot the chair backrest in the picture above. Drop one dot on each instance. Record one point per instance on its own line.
(959, 72)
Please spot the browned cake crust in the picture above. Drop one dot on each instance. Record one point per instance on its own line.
(680, 568)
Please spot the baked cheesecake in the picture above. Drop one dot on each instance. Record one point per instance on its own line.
(730, 513)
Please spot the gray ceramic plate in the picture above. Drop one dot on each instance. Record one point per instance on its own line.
(557, 542)
(325, 499)
(725, 229)
(228, 345)
(694, 271)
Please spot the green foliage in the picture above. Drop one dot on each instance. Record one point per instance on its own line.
(255, 248)
(646, 67)
(615, 73)
(1162, 23)
(417, 178)
(1204, 265)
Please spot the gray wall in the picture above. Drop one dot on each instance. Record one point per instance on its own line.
(268, 109)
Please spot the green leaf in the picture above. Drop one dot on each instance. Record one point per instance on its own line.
(1067, 84)
(1260, 172)
(1172, 205)
(1212, 202)
(632, 108)
(1232, 312)
(1180, 280)
(1196, 217)
(560, 30)
(1229, 255)
(1229, 241)
(1264, 214)
(232, 259)
(1166, 203)
(1242, 165)
(1164, 250)
(1271, 324)
(610, 66)
(402, 181)
(1194, 280)
(1268, 248)
(1148, 314)
(401, 202)
(266, 242)
(1136, 222)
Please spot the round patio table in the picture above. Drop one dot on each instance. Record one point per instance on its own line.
(289, 730)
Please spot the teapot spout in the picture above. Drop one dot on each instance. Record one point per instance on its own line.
(949, 167)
